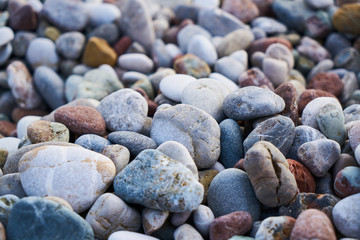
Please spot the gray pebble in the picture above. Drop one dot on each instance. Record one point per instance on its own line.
(229, 67)
(70, 44)
(186, 231)
(120, 155)
(203, 217)
(21, 42)
(109, 32)
(11, 184)
(92, 142)
(136, 62)
(269, 25)
(187, 33)
(201, 47)
(42, 52)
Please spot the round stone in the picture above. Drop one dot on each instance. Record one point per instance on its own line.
(281, 52)
(103, 13)
(70, 44)
(42, 52)
(346, 18)
(254, 77)
(276, 70)
(172, 86)
(23, 124)
(192, 65)
(201, 47)
(347, 182)
(124, 110)
(7, 35)
(44, 131)
(230, 67)
(329, 82)
(136, 62)
(128, 235)
(75, 174)
(92, 142)
(203, 217)
(239, 39)
(186, 231)
(120, 155)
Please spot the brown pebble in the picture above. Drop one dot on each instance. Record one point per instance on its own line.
(192, 65)
(122, 45)
(227, 226)
(81, 120)
(304, 179)
(6, 128)
(329, 82)
(240, 164)
(263, 43)
(313, 224)
(288, 92)
(205, 178)
(309, 95)
(24, 18)
(255, 77)
(245, 10)
(45, 131)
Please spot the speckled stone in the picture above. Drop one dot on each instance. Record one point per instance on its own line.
(203, 217)
(231, 191)
(7, 201)
(276, 228)
(226, 226)
(347, 182)
(309, 95)
(265, 161)
(72, 171)
(70, 44)
(43, 131)
(181, 123)
(278, 130)
(186, 231)
(36, 217)
(23, 123)
(304, 180)
(92, 142)
(192, 65)
(109, 214)
(254, 77)
(244, 104)
(124, 110)
(134, 142)
(346, 216)
(169, 185)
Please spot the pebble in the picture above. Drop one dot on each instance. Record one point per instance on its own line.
(347, 182)
(7, 35)
(192, 65)
(128, 235)
(109, 214)
(319, 155)
(205, 178)
(21, 42)
(203, 217)
(229, 67)
(244, 10)
(42, 52)
(346, 216)
(178, 219)
(193, 128)
(134, 142)
(304, 179)
(7, 201)
(173, 85)
(124, 110)
(269, 25)
(345, 160)
(309, 95)
(312, 224)
(5, 53)
(245, 103)
(201, 47)
(23, 124)
(275, 70)
(335, 42)
(120, 155)
(50, 86)
(186, 34)
(153, 219)
(186, 231)
(97, 52)
(312, 49)
(71, 168)
(44, 131)
(236, 40)
(226, 226)
(11, 184)
(276, 228)
(348, 58)
(104, 13)
(231, 191)
(36, 217)
(255, 77)
(92, 142)
(346, 17)
(280, 187)
(324, 184)
(22, 86)
(169, 185)
(70, 45)
(278, 130)
(136, 62)
(288, 92)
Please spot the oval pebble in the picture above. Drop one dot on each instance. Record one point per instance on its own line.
(153, 219)
(92, 142)
(276, 228)
(172, 86)
(186, 231)
(136, 62)
(42, 52)
(120, 155)
(203, 217)
(201, 47)
(347, 182)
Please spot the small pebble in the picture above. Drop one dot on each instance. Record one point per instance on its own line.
(44, 131)
(186, 231)
(203, 217)
(347, 182)
(276, 228)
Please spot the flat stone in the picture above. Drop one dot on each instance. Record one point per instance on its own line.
(109, 214)
(173, 85)
(169, 185)
(276, 70)
(193, 128)
(71, 171)
(44, 131)
(245, 103)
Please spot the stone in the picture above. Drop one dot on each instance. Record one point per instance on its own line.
(312, 49)
(23, 124)
(153, 219)
(50, 86)
(109, 214)
(319, 155)
(6, 203)
(193, 128)
(312, 223)
(97, 52)
(288, 92)
(276, 228)
(172, 86)
(203, 217)
(178, 219)
(348, 58)
(278, 130)
(275, 70)
(7, 35)
(124, 110)
(186, 231)
(169, 185)
(23, 18)
(239, 39)
(136, 22)
(201, 47)
(21, 42)
(269, 25)
(11, 184)
(309, 95)
(136, 62)
(347, 182)
(265, 161)
(134, 142)
(67, 15)
(231, 191)
(22, 86)
(260, 45)
(42, 52)
(345, 160)
(72, 171)
(218, 22)
(280, 52)
(100, 14)
(335, 42)
(244, 104)
(160, 54)
(187, 33)
(331, 123)
(192, 65)
(81, 120)
(120, 155)
(229, 67)
(128, 235)
(345, 216)
(52, 33)
(179, 152)
(255, 77)
(44, 131)
(324, 184)
(312, 109)
(36, 217)
(205, 178)
(304, 179)
(244, 10)
(226, 226)
(346, 18)
(109, 32)
(329, 82)
(5, 53)
(70, 45)
(350, 85)
(92, 142)
(6, 128)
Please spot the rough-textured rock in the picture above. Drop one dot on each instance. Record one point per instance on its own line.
(276, 228)
(44, 131)
(288, 92)
(304, 180)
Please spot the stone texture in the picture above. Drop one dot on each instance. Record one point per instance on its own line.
(309, 95)
(98, 52)
(186, 231)
(44, 131)
(255, 77)
(346, 18)
(153, 219)
(120, 155)
(329, 82)
(288, 92)
(203, 217)
(304, 179)
(239, 39)
(276, 228)
(192, 65)
(347, 182)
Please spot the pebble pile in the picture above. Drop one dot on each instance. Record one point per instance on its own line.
(179, 119)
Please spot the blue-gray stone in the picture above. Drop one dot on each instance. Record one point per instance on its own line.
(70, 44)
(183, 12)
(252, 102)
(185, 35)
(134, 142)
(6, 203)
(269, 25)
(231, 191)
(336, 42)
(231, 142)
(43, 219)
(11, 184)
(160, 54)
(109, 32)
(324, 185)
(279, 130)
(92, 142)
(156, 181)
(229, 67)
(303, 134)
(352, 113)
(50, 86)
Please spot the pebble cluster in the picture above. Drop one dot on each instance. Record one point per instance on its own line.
(179, 119)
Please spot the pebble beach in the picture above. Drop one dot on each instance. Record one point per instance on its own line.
(179, 119)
